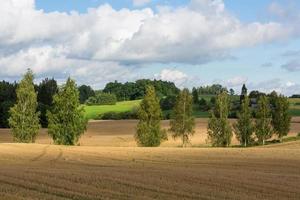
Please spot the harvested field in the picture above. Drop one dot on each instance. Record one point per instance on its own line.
(120, 134)
(36, 171)
(107, 165)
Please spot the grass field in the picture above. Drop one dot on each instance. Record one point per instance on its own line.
(295, 106)
(108, 165)
(92, 112)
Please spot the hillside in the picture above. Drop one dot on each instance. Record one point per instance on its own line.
(93, 112)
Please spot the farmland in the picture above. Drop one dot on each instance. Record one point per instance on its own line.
(93, 112)
(108, 165)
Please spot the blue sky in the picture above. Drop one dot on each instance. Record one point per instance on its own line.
(190, 42)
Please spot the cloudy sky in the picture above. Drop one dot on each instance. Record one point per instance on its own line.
(190, 42)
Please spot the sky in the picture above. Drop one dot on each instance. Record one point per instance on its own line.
(189, 42)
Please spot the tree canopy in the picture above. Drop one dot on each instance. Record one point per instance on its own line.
(182, 123)
(24, 118)
(66, 119)
(149, 132)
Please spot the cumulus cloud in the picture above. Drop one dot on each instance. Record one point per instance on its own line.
(236, 81)
(140, 2)
(105, 39)
(173, 75)
(278, 85)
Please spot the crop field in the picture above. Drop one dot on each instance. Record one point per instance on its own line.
(108, 165)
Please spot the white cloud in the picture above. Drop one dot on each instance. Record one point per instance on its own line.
(278, 85)
(105, 39)
(140, 2)
(237, 81)
(178, 77)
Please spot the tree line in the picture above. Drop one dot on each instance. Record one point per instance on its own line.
(271, 117)
(66, 122)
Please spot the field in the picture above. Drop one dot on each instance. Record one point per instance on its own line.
(108, 165)
(295, 107)
(92, 112)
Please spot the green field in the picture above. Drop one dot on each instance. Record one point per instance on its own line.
(295, 106)
(92, 112)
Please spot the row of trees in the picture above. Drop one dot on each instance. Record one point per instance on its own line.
(271, 117)
(149, 132)
(66, 116)
(268, 120)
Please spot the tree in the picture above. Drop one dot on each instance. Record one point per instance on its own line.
(244, 93)
(244, 128)
(231, 92)
(66, 119)
(219, 128)
(46, 90)
(24, 118)
(263, 120)
(203, 106)
(85, 92)
(182, 123)
(195, 96)
(281, 120)
(7, 100)
(149, 132)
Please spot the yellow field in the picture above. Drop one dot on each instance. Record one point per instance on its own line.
(108, 165)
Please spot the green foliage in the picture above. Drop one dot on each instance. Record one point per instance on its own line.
(149, 132)
(195, 96)
(281, 120)
(24, 119)
(85, 92)
(96, 111)
(203, 105)
(263, 120)
(102, 99)
(244, 127)
(66, 120)
(168, 102)
(182, 123)
(219, 128)
(244, 93)
(214, 89)
(119, 115)
(46, 90)
(7, 100)
(137, 90)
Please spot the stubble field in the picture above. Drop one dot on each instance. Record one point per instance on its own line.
(108, 165)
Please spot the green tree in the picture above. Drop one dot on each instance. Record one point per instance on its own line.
(46, 90)
(66, 120)
(231, 92)
(182, 123)
(281, 120)
(195, 95)
(244, 93)
(24, 118)
(244, 127)
(219, 128)
(263, 120)
(85, 92)
(149, 132)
